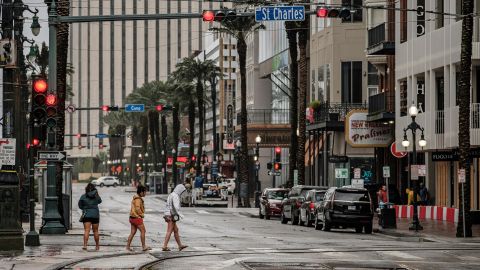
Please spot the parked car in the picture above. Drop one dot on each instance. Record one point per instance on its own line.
(106, 181)
(307, 211)
(291, 204)
(271, 202)
(345, 207)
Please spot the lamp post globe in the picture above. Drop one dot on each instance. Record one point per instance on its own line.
(35, 27)
(405, 143)
(146, 155)
(258, 139)
(413, 111)
(422, 142)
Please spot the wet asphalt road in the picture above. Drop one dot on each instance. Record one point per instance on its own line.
(224, 238)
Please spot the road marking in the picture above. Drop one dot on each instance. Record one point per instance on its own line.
(264, 250)
(400, 254)
(202, 212)
(207, 248)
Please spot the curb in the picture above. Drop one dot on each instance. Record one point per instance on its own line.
(62, 265)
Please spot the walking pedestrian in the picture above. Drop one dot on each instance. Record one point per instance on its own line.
(382, 196)
(137, 213)
(172, 215)
(88, 203)
(423, 192)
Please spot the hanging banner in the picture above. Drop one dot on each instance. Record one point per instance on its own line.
(361, 133)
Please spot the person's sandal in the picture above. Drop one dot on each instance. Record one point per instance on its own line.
(182, 248)
(165, 249)
(147, 248)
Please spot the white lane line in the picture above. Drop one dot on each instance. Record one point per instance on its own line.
(400, 254)
(207, 248)
(202, 212)
(264, 250)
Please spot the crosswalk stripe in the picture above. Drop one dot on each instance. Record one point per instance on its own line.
(400, 254)
(202, 212)
(207, 248)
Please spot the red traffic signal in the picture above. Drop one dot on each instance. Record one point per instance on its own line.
(208, 16)
(105, 108)
(277, 166)
(325, 12)
(278, 150)
(51, 100)
(40, 85)
(35, 142)
(159, 108)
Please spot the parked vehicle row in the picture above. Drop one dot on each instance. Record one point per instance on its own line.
(321, 207)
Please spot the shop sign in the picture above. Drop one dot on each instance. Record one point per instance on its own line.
(341, 173)
(453, 155)
(338, 159)
(361, 133)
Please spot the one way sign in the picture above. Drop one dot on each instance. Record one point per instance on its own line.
(52, 155)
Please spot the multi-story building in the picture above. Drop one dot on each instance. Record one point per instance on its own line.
(111, 59)
(339, 68)
(428, 47)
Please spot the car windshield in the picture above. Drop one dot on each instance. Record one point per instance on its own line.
(356, 196)
(277, 195)
(319, 196)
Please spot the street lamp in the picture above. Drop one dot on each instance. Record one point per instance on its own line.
(146, 167)
(35, 27)
(413, 127)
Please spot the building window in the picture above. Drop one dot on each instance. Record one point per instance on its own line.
(439, 19)
(440, 82)
(403, 98)
(234, 70)
(403, 20)
(458, 9)
(372, 80)
(355, 5)
(352, 82)
(313, 89)
(225, 58)
(234, 58)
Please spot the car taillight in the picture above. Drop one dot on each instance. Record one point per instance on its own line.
(312, 206)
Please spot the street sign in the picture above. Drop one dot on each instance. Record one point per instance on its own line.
(357, 172)
(280, 13)
(461, 176)
(7, 151)
(230, 124)
(341, 173)
(395, 153)
(422, 170)
(134, 107)
(101, 135)
(71, 108)
(386, 171)
(358, 183)
(52, 155)
(414, 172)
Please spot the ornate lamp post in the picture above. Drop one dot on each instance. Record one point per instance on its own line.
(258, 140)
(413, 127)
(237, 179)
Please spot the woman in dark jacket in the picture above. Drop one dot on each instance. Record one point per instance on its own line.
(91, 215)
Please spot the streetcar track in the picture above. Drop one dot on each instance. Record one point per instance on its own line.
(71, 264)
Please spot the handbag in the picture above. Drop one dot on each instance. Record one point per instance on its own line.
(82, 217)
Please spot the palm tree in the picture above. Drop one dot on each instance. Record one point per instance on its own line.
(180, 95)
(464, 117)
(241, 28)
(191, 69)
(291, 28)
(302, 97)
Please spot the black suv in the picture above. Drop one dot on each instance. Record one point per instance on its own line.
(291, 205)
(345, 207)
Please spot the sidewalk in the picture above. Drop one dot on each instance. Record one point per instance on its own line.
(433, 230)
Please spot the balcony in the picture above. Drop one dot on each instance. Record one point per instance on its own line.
(381, 107)
(378, 41)
(267, 116)
(331, 116)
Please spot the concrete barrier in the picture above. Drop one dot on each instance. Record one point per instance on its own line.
(442, 213)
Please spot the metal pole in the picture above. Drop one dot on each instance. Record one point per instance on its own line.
(52, 219)
(463, 210)
(416, 223)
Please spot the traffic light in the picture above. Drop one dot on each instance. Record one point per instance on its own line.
(107, 108)
(269, 166)
(39, 88)
(329, 12)
(116, 135)
(79, 135)
(159, 108)
(277, 166)
(278, 154)
(219, 15)
(51, 102)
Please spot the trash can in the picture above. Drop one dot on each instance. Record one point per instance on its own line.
(257, 198)
(387, 218)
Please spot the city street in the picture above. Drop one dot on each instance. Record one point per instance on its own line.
(226, 238)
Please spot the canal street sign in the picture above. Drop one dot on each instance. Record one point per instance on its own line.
(134, 107)
(280, 13)
(52, 155)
